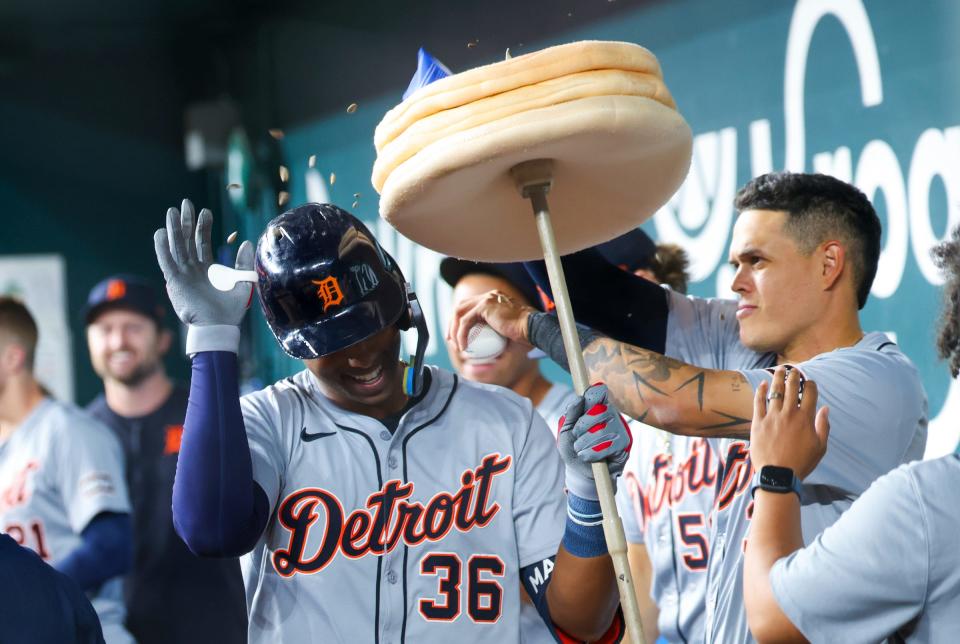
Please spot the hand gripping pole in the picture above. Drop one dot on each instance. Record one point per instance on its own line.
(533, 179)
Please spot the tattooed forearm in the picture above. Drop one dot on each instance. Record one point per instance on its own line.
(655, 367)
(698, 378)
(738, 381)
(668, 393)
(733, 423)
(616, 358)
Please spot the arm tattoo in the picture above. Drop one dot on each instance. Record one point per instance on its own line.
(642, 381)
(699, 378)
(737, 381)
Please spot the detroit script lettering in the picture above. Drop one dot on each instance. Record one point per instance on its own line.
(387, 518)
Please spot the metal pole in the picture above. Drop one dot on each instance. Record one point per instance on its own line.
(536, 189)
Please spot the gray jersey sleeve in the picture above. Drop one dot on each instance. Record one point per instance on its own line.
(871, 394)
(89, 471)
(865, 576)
(705, 332)
(539, 503)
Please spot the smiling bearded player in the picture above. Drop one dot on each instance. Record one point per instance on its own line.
(376, 501)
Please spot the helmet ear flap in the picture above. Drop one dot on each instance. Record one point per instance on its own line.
(413, 374)
(405, 321)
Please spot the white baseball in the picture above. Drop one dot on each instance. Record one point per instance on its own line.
(483, 343)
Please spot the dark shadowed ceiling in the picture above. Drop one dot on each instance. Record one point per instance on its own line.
(214, 48)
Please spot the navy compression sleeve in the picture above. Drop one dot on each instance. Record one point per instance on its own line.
(218, 509)
(105, 552)
(605, 298)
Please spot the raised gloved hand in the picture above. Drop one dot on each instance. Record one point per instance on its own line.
(184, 257)
(592, 430)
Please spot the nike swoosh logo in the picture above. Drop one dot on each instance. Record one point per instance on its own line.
(304, 436)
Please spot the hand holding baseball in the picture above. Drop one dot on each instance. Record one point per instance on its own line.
(484, 344)
(506, 316)
(787, 429)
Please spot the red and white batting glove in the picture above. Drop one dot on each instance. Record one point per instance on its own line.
(592, 430)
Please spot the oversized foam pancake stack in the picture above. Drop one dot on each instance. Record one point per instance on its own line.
(599, 110)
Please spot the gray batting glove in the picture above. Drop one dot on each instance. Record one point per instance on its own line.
(592, 430)
(185, 252)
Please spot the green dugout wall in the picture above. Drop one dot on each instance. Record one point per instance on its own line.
(866, 91)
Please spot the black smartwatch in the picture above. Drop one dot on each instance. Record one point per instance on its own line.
(775, 479)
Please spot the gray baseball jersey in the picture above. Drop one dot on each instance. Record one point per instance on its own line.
(554, 404)
(551, 409)
(889, 567)
(58, 470)
(414, 536)
(665, 497)
(667, 491)
(878, 421)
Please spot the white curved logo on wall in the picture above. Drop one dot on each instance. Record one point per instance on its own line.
(806, 16)
(699, 215)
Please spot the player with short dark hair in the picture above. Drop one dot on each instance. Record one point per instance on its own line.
(889, 567)
(375, 500)
(62, 492)
(821, 207)
(695, 363)
(171, 595)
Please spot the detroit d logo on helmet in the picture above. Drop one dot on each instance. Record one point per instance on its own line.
(328, 290)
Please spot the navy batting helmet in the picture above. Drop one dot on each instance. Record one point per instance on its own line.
(325, 284)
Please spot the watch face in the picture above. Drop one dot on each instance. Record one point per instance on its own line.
(776, 478)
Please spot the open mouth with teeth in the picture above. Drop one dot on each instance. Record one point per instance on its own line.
(367, 380)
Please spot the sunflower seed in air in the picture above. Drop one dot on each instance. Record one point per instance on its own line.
(232, 237)
(283, 197)
(284, 174)
(351, 108)
(277, 134)
(312, 161)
